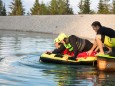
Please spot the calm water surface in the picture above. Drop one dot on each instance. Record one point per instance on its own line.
(20, 66)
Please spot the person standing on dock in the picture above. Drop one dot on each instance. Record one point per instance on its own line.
(104, 35)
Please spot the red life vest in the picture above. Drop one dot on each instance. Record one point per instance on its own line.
(66, 51)
(85, 54)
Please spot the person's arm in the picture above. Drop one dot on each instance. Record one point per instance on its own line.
(59, 50)
(72, 41)
(93, 47)
(96, 49)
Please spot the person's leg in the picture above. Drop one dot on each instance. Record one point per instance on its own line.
(107, 49)
(110, 42)
(113, 51)
(113, 48)
(99, 43)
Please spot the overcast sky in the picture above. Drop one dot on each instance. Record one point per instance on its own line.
(73, 3)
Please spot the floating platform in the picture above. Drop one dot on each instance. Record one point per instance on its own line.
(65, 59)
(106, 63)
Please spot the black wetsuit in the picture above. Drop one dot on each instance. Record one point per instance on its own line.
(59, 50)
(105, 31)
(79, 45)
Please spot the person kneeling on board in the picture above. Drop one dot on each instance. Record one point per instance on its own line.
(75, 44)
(104, 36)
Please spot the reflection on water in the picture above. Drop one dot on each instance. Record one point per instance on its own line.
(73, 75)
(20, 66)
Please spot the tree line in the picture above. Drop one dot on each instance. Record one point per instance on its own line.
(57, 7)
(104, 7)
(2, 9)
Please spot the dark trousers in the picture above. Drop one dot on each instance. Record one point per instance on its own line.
(113, 52)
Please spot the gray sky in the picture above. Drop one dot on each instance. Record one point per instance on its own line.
(73, 3)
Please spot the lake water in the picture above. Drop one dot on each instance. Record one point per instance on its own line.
(20, 66)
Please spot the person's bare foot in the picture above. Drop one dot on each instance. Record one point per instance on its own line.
(101, 53)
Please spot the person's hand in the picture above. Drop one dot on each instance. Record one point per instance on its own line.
(48, 52)
(89, 52)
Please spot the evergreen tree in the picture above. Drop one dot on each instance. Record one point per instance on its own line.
(103, 7)
(81, 6)
(64, 7)
(84, 7)
(107, 7)
(68, 9)
(16, 8)
(44, 10)
(1, 7)
(53, 7)
(113, 7)
(60, 7)
(3, 11)
(35, 10)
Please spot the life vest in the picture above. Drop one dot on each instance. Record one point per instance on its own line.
(109, 41)
(69, 47)
(86, 54)
(66, 51)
